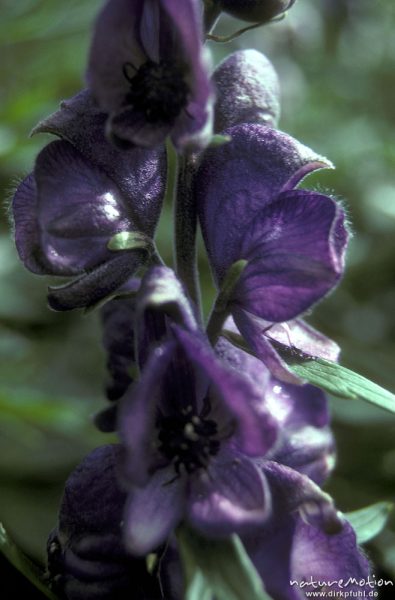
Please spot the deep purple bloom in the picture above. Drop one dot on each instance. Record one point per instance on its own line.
(294, 240)
(148, 71)
(86, 556)
(303, 535)
(247, 91)
(190, 429)
(83, 191)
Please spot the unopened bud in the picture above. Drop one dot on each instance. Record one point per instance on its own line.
(247, 91)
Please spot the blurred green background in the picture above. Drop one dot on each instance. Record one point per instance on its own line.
(336, 62)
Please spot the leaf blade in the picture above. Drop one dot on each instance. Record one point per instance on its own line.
(369, 521)
(342, 382)
(22, 563)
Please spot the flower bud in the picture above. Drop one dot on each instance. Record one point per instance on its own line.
(248, 91)
(255, 11)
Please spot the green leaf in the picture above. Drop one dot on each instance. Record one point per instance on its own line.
(130, 240)
(341, 382)
(21, 562)
(219, 140)
(218, 567)
(369, 521)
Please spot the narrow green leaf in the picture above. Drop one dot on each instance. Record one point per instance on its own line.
(219, 140)
(21, 562)
(218, 567)
(369, 521)
(130, 240)
(341, 382)
(197, 588)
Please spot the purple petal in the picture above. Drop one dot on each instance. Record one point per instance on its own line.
(139, 174)
(305, 441)
(295, 250)
(153, 511)
(231, 497)
(137, 417)
(237, 180)
(27, 233)
(288, 553)
(294, 492)
(115, 43)
(161, 290)
(193, 129)
(331, 558)
(96, 285)
(247, 91)
(92, 499)
(78, 210)
(117, 318)
(239, 398)
(254, 334)
(128, 124)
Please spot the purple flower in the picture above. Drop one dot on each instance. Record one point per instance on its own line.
(293, 240)
(303, 536)
(305, 539)
(148, 72)
(190, 429)
(247, 91)
(83, 191)
(86, 556)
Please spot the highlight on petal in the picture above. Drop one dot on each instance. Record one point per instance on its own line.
(295, 249)
(238, 180)
(232, 497)
(247, 91)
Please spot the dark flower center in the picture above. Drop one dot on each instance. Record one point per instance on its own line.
(188, 440)
(158, 90)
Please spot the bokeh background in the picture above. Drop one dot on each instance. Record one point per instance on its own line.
(336, 62)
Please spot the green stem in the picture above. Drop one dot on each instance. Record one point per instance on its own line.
(220, 309)
(185, 230)
(211, 14)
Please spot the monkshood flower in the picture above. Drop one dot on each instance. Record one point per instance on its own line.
(293, 240)
(148, 71)
(303, 517)
(82, 192)
(256, 11)
(190, 428)
(248, 91)
(86, 556)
